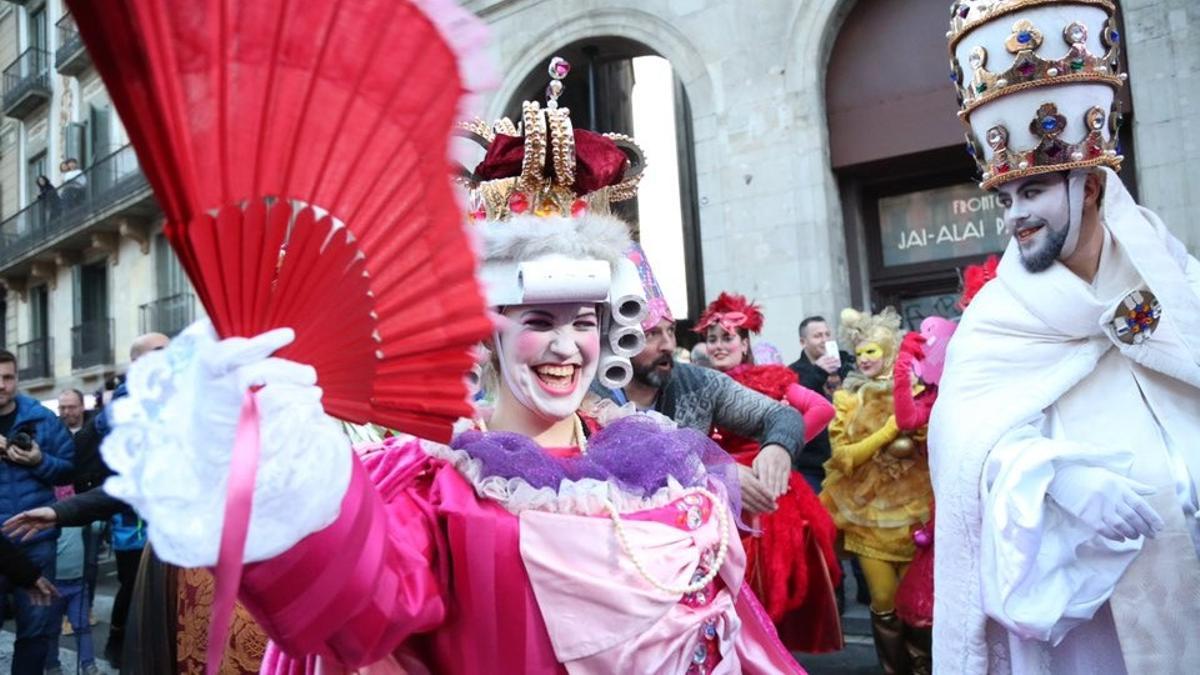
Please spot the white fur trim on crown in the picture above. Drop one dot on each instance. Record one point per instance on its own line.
(521, 238)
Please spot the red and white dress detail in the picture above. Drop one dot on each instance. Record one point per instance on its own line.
(791, 559)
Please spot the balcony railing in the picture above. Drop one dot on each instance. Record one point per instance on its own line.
(27, 82)
(104, 185)
(168, 315)
(33, 359)
(92, 344)
(71, 58)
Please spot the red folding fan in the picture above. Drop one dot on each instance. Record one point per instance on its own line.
(299, 151)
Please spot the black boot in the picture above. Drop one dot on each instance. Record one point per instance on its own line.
(918, 642)
(889, 642)
(114, 647)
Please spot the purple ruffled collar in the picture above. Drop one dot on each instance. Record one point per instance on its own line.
(635, 453)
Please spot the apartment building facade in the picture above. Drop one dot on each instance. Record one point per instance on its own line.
(83, 264)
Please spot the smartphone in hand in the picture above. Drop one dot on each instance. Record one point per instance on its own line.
(831, 349)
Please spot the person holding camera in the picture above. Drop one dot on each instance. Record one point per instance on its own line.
(36, 450)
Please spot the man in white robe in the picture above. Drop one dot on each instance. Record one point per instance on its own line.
(1065, 444)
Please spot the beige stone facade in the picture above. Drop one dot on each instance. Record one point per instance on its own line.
(774, 219)
(78, 275)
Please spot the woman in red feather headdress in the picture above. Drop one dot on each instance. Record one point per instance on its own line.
(791, 562)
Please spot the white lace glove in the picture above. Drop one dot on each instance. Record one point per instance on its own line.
(1107, 502)
(173, 436)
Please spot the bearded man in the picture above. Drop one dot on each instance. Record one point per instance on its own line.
(701, 398)
(1063, 442)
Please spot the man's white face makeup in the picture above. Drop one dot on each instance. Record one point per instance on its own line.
(1039, 213)
(548, 356)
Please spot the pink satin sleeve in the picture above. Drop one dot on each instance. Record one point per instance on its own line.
(816, 410)
(356, 590)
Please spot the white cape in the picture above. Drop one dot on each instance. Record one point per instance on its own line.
(1015, 353)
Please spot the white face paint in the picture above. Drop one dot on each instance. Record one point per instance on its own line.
(1043, 214)
(548, 356)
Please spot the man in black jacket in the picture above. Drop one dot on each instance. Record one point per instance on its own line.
(822, 373)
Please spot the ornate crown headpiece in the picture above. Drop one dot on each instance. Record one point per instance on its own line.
(545, 166)
(540, 201)
(1039, 104)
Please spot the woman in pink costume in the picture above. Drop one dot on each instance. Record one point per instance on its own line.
(791, 561)
(535, 542)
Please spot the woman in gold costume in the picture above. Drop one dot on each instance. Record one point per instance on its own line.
(877, 482)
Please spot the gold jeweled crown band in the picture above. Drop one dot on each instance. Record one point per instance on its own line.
(1063, 93)
(966, 15)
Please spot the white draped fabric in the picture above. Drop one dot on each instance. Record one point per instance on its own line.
(1036, 380)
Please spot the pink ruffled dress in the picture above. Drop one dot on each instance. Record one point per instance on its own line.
(435, 566)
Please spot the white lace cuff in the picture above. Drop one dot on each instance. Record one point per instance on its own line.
(171, 446)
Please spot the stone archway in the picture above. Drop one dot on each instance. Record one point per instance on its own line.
(621, 36)
(631, 24)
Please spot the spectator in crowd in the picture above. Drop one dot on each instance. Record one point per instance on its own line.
(128, 540)
(766, 354)
(700, 356)
(73, 600)
(37, 451)
(70, 410)
(128, 529)
(48, 199)
(90, 473)
(16, 568)
(74, 182)
(155, 624)
(822, 372)
(682, 355)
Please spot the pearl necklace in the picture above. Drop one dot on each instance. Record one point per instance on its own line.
(719, 512)
(580, 437)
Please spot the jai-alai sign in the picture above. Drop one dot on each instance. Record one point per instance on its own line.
(938, 224)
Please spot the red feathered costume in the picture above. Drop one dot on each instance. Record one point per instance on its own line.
(914, 597)
(791, 563)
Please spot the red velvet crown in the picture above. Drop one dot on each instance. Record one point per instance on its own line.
(731, 311)
(599, 163)
(545, 166)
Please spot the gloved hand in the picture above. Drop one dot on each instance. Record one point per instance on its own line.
(913, 345)
(229, 368)
(1107, 502)
(173, 440)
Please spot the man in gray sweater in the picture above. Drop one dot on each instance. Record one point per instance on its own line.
(699, 398)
